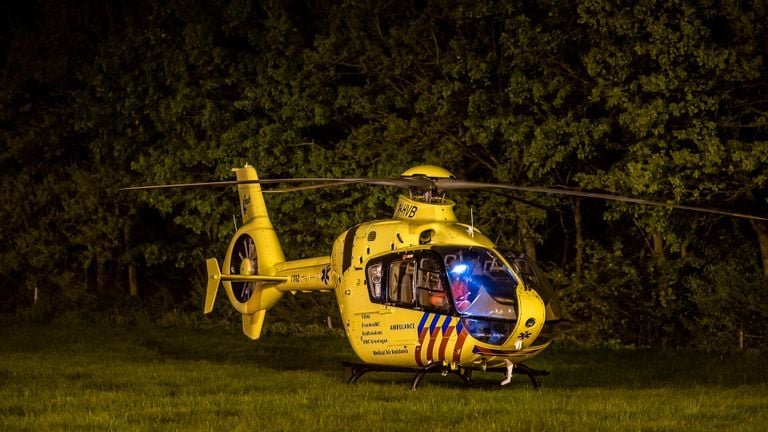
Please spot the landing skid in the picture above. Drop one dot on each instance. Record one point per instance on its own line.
(359, 369)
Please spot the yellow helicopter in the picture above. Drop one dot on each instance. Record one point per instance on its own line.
(419, 293)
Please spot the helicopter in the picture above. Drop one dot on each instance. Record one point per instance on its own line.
(420, 293)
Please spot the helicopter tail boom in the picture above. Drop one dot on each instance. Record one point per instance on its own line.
(313, 274)
(215, 277)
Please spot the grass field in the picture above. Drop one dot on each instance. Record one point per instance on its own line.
(130, 378)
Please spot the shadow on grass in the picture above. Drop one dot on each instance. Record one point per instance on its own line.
(613, 369)
(280, 352)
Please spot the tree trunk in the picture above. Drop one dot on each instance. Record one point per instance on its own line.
(761, 228)
(530, 247)
(133, 281)
(658, 247)
(529, 242)
(101, 275)
(579, 236)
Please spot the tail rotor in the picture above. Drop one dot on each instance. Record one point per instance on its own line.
(244, 260)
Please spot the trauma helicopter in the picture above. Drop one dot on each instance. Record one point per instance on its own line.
(421, 292)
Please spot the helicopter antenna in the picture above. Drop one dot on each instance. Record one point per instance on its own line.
(471, 222)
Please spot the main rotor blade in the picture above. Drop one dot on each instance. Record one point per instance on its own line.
(450, 184)
(319, 183)
(307, 187)
(180, 185)
(444, 184)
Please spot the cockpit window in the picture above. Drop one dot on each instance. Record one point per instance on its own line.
(480, 283)
(534, 278)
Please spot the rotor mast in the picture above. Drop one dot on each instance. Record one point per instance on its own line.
(426, 203)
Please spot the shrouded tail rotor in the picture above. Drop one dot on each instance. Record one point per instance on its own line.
(244, 260)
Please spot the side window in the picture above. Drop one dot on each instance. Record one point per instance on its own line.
(429, 285)
(412, 280)
(401, 275)
(401, 281)
(375, 277)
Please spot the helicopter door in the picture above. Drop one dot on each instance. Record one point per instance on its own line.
(430, 287)
(401, 278)
(401, 300)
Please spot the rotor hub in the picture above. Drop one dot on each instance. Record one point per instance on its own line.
(424, 181)
(247, 267)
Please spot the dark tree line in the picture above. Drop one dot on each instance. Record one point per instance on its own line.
(662, 100)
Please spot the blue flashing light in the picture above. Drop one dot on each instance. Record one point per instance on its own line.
(461, 269)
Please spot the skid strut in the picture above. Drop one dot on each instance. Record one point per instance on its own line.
(520, 368)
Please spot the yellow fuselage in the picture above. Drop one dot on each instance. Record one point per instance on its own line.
(384, 332)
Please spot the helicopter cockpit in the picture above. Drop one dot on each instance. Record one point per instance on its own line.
(470, 282)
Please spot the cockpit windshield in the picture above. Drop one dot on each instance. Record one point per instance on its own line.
(481, 285)
(534, 278)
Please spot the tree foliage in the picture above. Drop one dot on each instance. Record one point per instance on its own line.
(661, 100)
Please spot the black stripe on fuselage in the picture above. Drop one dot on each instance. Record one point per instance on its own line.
(349, 241)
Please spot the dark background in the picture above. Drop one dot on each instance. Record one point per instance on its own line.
(660, 100)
